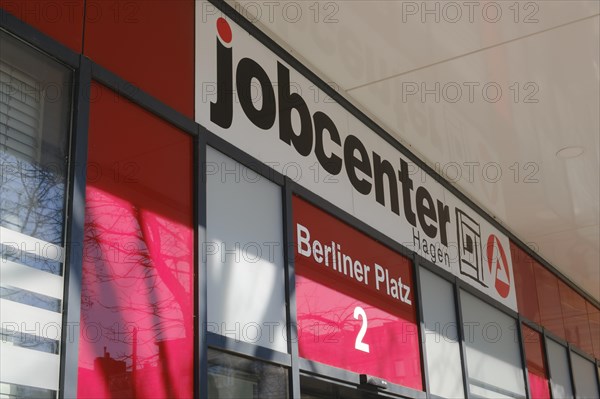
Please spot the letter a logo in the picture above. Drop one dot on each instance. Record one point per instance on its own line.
(498, 265)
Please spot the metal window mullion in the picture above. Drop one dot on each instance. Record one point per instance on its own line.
(290, 288)
(571, 371)
(201, 297)
(597, 363)
(421, 320)
(75, 232)
(547, 362)
(461, 338)
(521, 342)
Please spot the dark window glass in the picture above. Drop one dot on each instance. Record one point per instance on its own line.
(237, 377)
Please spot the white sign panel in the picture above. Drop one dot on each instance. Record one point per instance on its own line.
(255, 100)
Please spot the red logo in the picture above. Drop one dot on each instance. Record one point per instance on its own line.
(224, 30)
(499, 268)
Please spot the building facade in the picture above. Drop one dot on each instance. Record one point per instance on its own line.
(190, 211)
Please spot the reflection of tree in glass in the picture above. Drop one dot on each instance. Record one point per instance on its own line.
(137, 281)
(329, 324)
(32, 198)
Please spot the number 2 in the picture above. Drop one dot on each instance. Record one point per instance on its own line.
(358, 344)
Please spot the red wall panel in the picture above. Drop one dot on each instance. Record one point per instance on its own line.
(527, 299)
(60, 19)
(148, 43)
(594, 319)
(545, 299)
(575, 315)
(549, 299)
(137, 330)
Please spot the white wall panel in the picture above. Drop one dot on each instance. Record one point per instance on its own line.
(27, 319)
(31, 245)
(41, 371)
(31, 279)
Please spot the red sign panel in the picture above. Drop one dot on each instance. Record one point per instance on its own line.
(355, 300)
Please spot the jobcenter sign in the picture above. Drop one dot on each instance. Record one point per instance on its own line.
(255, 100)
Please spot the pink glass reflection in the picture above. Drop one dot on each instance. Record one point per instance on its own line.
(136, 332)
(136, 327)
(328, 334)
(538, 386)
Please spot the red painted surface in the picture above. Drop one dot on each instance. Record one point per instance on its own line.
(326, 301)
(527, 299)
(136, 335)
(148, 43)
(549, 299)
(545, 299)
(577, 326)
(594, 318)
(60, 19)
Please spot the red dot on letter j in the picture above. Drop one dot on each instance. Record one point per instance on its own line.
(224, 30)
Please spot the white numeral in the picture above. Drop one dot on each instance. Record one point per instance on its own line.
(358, 344)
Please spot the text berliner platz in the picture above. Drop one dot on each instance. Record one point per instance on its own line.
(331, 255)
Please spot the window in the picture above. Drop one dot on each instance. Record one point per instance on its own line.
(586, 385)
(137, 296)
(356, 306)
(35, 102)
(536, 363)
(237, 377)
(244, 250)
(441, 336)
(492, 351)
(558, 363)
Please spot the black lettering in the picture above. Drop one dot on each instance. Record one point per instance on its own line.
(425, 208)
(333, 163)
(379, 169)
(443, 220)
(416, 238)
(287, 101)
(247, 70)
(221, 112)
(351, 145)
(407, 186)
